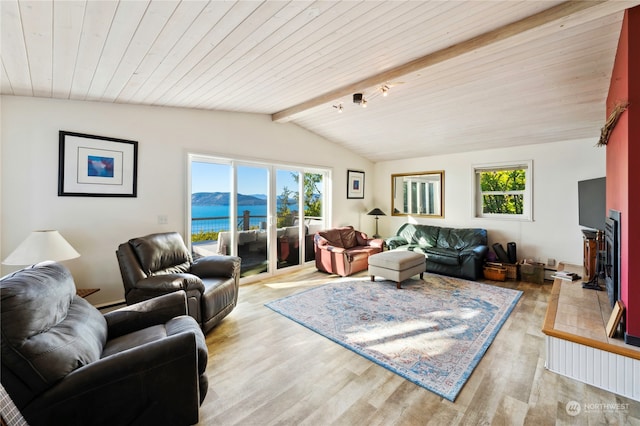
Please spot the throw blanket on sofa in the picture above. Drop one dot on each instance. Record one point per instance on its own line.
(458, 252)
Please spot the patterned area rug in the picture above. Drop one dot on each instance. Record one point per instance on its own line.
(432, 332)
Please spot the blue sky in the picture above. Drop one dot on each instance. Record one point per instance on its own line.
(210, 177)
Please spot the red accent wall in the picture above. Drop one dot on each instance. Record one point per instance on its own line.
(623, 162)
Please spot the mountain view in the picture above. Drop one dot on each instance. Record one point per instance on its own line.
(222, 199)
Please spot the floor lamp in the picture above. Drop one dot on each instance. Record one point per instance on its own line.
(376, 212)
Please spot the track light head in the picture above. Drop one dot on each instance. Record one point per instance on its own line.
(358, 98)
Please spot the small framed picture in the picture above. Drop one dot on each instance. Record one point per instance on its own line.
(355, 184)
(96, 166)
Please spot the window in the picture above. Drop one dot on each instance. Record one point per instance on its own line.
(265, 213)
(503, 190)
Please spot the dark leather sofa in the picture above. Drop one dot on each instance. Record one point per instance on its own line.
(458, 252)
(64, 363)
(158, 264)
(344, 251)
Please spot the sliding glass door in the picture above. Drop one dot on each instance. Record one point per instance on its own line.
(288, 218)
(252, 238)
(210, 207)
(266, 214)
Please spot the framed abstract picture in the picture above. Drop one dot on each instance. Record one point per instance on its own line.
(96, 166)
(355, 184)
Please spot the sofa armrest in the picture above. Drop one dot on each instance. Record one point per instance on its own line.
(216, 266)
(321, 242)
(477, 252)
(471, 261)
(171, 282)
(480, 252)
(376, 242)
(145, 314)
(334, 249)
(109, 389)
(324, 244)
(395, 242)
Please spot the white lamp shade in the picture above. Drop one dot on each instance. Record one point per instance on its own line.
(40, 246)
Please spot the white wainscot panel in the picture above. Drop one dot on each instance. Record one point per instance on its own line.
(611, 372)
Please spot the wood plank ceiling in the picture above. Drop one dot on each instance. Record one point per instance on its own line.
(538, 84)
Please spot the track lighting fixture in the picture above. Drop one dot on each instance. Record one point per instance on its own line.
(358, 98)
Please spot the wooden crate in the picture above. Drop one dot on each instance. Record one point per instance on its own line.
(495, 273)
(512, 271)
(532, 272)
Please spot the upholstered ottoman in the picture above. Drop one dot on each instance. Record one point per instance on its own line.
(397, 265)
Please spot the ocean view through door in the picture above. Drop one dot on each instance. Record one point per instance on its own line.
(253, 236)
(263, 213)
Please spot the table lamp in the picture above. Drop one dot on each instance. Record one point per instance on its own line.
(40, 246)
(376, 212)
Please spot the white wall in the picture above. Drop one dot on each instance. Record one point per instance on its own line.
(557, 168)
(95, 226)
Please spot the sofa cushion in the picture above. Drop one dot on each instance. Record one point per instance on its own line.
(422, 235)
(442, 255)
(461, 238)
(348, 235)
(359, 253)
(47, 331)
(474, 237)
(174, 326)
(332, 236)
(445, 240)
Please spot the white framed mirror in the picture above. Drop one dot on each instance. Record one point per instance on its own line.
(418, 194)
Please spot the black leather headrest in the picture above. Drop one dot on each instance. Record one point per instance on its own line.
(157, 252)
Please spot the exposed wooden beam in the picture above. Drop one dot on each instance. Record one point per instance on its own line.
(539, 19)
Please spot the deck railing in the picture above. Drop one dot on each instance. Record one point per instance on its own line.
(213, 225)
(221, 223)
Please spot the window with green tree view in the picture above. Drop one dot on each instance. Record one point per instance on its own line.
(503, 190)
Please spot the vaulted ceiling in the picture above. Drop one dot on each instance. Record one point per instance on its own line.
(462, 75)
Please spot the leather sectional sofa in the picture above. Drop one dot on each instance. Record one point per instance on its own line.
(458, 252)
(344, 251)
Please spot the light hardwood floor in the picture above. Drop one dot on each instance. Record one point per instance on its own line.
(265, 369)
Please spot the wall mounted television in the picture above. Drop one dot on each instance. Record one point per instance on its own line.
(592, 203)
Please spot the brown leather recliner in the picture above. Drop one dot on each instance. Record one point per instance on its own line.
(65, 363)
(344, 251)
(157, 264)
